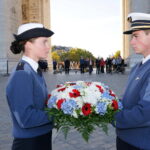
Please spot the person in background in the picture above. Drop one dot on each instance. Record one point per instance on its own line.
(82, 65)
(43, 65)
(133, 122)
(67, 66)
(114, 64)
(91, 63)
(97, 62)
(102, 65)
(54, 66)
(109, 65)
(118, 62)
(26, 90)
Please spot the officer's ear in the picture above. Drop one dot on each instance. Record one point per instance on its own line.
(28, 45)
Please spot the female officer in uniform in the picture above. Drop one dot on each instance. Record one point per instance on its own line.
(26, 90)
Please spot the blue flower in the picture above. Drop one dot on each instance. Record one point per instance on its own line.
(102, 108)
(120, 106)
(107, 96)
(68, 106)
(52, 101)
(77, 87)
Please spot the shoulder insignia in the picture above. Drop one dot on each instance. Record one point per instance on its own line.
(20, 66)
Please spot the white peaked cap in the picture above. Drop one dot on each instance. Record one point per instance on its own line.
(32, 30)
(139, 21)
(138, 16)
(25, 27)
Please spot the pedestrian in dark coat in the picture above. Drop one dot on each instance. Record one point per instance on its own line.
(67, 66)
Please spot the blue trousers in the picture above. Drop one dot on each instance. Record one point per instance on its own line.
(42, 142)
(121, 145)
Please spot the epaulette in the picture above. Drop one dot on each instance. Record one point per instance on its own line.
(20, 66)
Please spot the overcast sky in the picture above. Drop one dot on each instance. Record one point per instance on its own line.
(94, 25)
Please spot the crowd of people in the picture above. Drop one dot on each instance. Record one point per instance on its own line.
(110, 65)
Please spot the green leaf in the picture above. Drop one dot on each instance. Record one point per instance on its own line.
(85, 125)
(65, 131)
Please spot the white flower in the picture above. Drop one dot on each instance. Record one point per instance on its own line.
(79, 101)
(75, 115)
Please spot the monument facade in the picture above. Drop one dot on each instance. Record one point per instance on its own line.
(15, 12)
(12, 14)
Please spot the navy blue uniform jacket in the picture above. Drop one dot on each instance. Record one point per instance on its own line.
(133, 122)
(26, 95)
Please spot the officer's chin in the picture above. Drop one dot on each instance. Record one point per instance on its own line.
(44, 57)
(137, 51)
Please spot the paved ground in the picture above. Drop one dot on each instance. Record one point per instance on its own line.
(98, 140)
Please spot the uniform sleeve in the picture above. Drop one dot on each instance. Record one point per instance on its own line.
(20, 97)
(139, 115)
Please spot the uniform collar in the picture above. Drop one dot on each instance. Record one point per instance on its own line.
(145, 59)
(32, 63)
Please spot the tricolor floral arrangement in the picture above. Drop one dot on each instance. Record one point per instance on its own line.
(83, 106)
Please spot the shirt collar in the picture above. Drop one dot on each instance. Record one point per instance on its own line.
(32, 63)
(145, 59)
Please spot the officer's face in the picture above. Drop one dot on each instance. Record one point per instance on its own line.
(141, 42)
(39, 48)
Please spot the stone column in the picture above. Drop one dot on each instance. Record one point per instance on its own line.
(135, 6)
(125, 11)
(46, 21)
(10, 18)
(38, 11)
(12, 14)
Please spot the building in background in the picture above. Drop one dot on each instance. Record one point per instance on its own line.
(128, 7)
(12, 14)
(15, 12)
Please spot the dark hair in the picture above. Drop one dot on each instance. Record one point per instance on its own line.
(18, 46)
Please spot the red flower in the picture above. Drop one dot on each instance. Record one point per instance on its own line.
(100, 88)
(88, 83)
(59, 102)
(71, 84)
(49, 95)
(75, 93)
(115, 104)
(62, 89)
(59, 85)
(110, 92)
(86, 109)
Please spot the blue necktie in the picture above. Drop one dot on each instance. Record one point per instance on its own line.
(140, 64)
(39, 71)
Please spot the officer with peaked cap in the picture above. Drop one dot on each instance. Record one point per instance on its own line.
(133, 122)
(27, 92)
